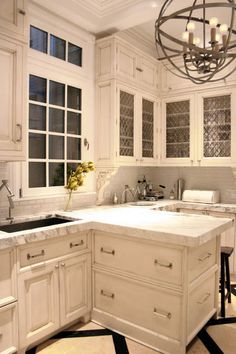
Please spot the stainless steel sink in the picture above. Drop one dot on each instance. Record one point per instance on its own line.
(33, 224)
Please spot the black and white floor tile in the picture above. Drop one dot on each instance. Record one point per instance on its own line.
(216, 338)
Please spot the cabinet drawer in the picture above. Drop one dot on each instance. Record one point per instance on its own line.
(42, 251)
(151, 308)
(7, 277)
(201, 303)
(8, 332)
(201, 258)
(148, 260)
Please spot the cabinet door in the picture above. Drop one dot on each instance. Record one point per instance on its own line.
(126, 63)
(75, 288)
(12, 17)
(177, 131)
(7, 277)
(12, 97)
(127, 129)
(38, 302)
(215, 131)
(147, 73)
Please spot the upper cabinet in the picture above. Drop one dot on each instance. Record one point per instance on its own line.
(13, 80)
(13, 18)
(198, 129)
(117, 59)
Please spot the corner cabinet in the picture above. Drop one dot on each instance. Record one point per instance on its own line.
(198, 129)
(127, 105)
(126, 126)
(13, 42)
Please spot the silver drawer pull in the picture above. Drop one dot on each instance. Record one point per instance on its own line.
(76, 244)
(107, 294)
(29, 256)
(206, 256)
(166, 265)
(161, 313)
(19, 139)
(107, 251)
(22, 12)
(139, 69)
(204, 299)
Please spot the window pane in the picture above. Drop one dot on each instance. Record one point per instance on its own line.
(74, 54)
(56, 147)
(37, 146)
(73, 123)
(56, 174)
(73, 149)
(37, 174)
(74, 97)
(57, 93)
(38, 39)
(37, 88)
(37, 117)
(56, 120)
(57, 47)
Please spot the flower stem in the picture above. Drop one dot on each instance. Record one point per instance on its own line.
(68, 201)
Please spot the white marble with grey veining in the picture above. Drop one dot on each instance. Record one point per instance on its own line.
(130, 220)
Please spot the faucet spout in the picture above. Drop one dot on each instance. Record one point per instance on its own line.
(10, 196)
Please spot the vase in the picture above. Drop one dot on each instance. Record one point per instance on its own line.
(68, 206)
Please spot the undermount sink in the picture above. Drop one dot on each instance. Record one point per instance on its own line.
(33, 224)
(143, 203)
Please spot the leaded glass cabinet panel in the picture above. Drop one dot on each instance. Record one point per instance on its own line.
(217, 126)
(178, 129)
(126, 124)
(147, 128)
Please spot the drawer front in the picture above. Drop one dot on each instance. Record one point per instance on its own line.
(45, 250)
(201, 258)
(148, 260)
(7, 277)
(151, 308)
(8, 329)
(201, 302)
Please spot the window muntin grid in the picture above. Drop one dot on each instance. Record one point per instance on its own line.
(147, 128)
(126, 124)
(54, 137)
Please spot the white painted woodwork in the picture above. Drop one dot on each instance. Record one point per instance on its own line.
(149, 305)
(118, 59)
(196, 157)
(8, 329)
(7, 277)
(13, 18)
(54, 285)
(38, 290)
(75, 288)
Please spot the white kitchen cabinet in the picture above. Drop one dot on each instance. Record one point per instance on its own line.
(198, 129)
(126, 126)
(8, 303)
(118, 59)
(13, 18)
(53, 290)
(12, 100)
(147, 301)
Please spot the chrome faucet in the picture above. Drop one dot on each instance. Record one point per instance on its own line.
(127, 189)
(10, 196)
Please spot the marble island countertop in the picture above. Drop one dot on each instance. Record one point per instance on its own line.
(147, 222)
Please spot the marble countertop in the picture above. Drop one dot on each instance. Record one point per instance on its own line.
(145, 222)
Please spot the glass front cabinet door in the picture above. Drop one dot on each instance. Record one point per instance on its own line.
(177, 131)
(216, 144)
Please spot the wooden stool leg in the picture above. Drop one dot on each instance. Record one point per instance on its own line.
(228, 279)
(222, 286)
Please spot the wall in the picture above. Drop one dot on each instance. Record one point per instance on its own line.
(206, 178)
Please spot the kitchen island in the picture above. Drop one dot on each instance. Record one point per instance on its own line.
(154, 274)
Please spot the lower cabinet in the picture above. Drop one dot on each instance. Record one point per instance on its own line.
(158, 294)
(8, 329)
(53, 294)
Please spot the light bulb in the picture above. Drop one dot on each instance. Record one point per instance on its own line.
(223, 28)
(191, 26)
(196, 40)
(213, 22)
(185, 36)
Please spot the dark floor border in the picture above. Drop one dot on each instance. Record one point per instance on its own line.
(118, 340)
